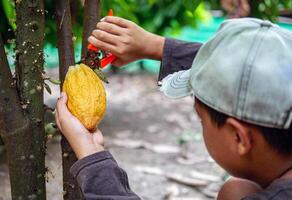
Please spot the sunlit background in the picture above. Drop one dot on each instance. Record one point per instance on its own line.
(151, 136)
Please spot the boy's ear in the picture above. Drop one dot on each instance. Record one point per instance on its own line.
(242, 135)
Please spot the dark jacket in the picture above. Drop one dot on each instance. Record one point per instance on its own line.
(98, 175)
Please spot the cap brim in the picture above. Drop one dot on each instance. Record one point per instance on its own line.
(177, 85)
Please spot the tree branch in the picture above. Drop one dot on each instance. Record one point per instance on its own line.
(92, 9)
(66, 59)
(65, 42)
(11, 115)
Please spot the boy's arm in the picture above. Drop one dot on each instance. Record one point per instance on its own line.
(100, 177)
(129, 43)
(177, 55)
(97, 173)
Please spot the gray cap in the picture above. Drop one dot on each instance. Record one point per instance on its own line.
(244, 71)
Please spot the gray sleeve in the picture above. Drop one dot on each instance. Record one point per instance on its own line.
(177, 55)
(100, 177)
(279, 190)
(279, 195)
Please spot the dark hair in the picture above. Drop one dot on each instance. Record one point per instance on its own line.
(279, 139)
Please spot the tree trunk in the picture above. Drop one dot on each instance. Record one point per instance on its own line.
(21, 114)
(66, 58)
(92, 9)
(14, 130)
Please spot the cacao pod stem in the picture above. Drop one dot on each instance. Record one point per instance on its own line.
(101, 75)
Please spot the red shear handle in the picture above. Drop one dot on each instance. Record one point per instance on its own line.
(110, 12)
(104, 61)
(110, 57)
(107, 60)
(92, 48)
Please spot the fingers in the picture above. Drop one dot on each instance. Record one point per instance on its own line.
(98, 137)
(105, 37)
(110, 28)
(117, 21)
(229, 5)
(57, 120)
(61, 110)
(102, 45)
(61, 105)
(245, 8)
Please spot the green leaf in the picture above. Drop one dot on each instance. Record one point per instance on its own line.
(54, 81)
(48, 89)
(202, 14)
(151, 2)
(9, 9)
(191, 5)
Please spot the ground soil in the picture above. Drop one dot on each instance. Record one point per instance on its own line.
(137, 113)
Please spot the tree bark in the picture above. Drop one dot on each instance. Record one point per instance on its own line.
(92, 9)
(11, 115)
(21, 108)
(14, 130)
(66, 59)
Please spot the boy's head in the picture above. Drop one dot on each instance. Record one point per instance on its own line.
(240, 147)
(241, 79)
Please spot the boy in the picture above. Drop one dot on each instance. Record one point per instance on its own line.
(241, 80)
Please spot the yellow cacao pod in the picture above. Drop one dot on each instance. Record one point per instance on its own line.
(86, 95)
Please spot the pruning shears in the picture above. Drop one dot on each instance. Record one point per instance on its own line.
(96, 58)
(107, 58)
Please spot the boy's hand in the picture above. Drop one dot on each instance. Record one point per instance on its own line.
(236, 8)
(126, 40)
(80, 139)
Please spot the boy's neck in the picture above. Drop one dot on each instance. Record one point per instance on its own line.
(275, 169)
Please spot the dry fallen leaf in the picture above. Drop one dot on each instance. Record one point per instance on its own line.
(138, 144)
(172, 176)
(149, 170)
(186, 180)
(206, 177)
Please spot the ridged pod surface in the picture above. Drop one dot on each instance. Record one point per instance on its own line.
(86, 95)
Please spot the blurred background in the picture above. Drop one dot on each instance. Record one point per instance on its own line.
(195, 20)
(156, 140)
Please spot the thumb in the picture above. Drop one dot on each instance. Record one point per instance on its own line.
(61, 104)
(64, 97)
(98, 137)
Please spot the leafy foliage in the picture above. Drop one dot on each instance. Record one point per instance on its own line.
(264, 9)
(6, 19)
(158, 16)
(8, 8)
(154, 15)
(269, 9)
